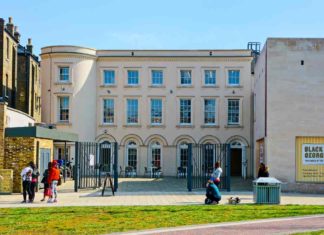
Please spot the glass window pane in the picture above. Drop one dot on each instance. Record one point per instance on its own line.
(132, 111)
(185, 111)
(210, 111)
(63, 109)
(132, 77)
(64, 73)
(210, 77)
(108, 111)
(157, 77)
(233, 111)
(234, 77)
(185, 77)
(156, 111)
(109, 77)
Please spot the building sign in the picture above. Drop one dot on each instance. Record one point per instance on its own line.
(313, 154)
(310, 159)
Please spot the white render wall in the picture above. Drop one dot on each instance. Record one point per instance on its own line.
(87, 92)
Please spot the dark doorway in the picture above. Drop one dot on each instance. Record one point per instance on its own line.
(236, 162)
(105, 157)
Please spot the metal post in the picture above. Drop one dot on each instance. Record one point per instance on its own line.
(228, 167)
(189, 167)
(65, 157)
(76, 167)
(115, 166)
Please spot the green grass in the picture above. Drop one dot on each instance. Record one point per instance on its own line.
(320, 232)
(98, 220)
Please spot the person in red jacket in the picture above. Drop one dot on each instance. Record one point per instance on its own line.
(53, 178)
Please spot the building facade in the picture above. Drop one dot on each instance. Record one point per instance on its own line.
(19, 72)
(289, 112)
(152, 103)
(28, 82)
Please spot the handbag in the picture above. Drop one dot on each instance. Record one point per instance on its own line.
(59, 182)
(48, 192)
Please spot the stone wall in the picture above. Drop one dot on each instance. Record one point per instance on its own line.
(19, 151)
(6, 181)
(3, 115)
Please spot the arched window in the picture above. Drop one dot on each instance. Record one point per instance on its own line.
(183, 154)
(132, 154)
(156, 154)
(209, 157)
(236, 144)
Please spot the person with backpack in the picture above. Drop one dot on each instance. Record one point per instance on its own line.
(26, 175)
(34, 182)
(47, 188)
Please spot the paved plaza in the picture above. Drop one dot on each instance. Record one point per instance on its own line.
(147, 191)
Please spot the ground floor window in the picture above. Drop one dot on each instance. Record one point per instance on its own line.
(156, 154)
(105, 157)
(183, 154)
(209, 157)
(132, 155)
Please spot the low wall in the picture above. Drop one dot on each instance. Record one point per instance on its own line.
(16, 118)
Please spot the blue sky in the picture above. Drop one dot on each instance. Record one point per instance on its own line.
(167, 24)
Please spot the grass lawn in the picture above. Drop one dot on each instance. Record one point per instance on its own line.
(98, 220)
(320, 232)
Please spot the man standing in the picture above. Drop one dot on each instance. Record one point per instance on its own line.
(26, 175)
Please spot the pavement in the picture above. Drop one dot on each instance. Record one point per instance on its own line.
(137, 191)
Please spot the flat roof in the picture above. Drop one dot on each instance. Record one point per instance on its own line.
(42, 133)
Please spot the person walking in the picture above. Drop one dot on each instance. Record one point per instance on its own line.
(53, 178)
(263, 171)
(217, 173)
(26, 175)
(47, 188)
(34, 182)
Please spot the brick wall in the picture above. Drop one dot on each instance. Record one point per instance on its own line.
(3, 115)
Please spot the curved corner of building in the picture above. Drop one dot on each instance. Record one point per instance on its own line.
(67, 49)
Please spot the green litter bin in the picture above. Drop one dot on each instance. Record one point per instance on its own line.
(266, 190)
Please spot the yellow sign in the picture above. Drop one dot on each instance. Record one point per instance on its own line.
(310, 159)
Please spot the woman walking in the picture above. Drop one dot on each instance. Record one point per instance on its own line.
(53, 178)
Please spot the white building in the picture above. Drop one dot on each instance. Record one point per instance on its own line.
(151, 102)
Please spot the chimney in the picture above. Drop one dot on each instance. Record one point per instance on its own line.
(17, 34)
(2, 24)
(10, 26)
(29, 46)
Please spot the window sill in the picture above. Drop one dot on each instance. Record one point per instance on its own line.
(185, 126)
(107, 125)
(234, 86)
(210, 86)
(156, 86)
(209, 126)
(132, 86)
(233, 126)
(185, 86)
(62, 83)
(133, 125)
(107, 85)
(155, 126)
(63, 123)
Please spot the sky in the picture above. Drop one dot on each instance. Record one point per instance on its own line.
(167, 24)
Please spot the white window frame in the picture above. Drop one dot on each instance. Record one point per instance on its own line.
(204, 77)
(130, 145)
(240, 102)
(104, 77)
(191, 111)
(127, 77)
(156, 145)
(103, 111)
(162, 113)
(59, 73)
(138, 111)
(151, 77)
(59, 109)
(228, 77)
(191, 77)
(216, 111)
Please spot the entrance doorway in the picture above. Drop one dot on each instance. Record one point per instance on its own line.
(105, 157)
(236, 162)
